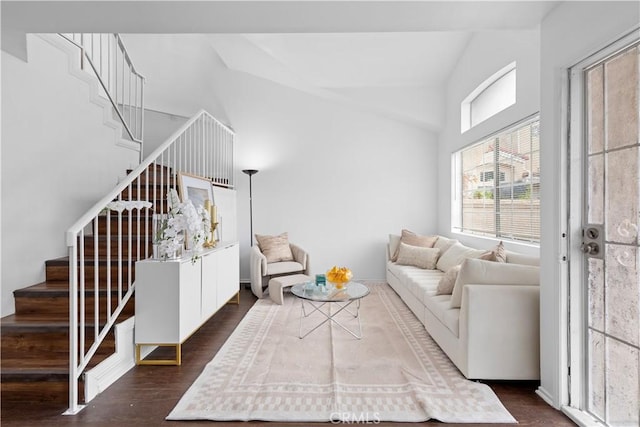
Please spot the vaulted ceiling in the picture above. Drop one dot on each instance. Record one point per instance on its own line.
(387, 56)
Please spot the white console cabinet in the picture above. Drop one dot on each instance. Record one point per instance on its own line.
(175, 297)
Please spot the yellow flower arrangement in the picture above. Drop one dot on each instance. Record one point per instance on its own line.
(339, 276)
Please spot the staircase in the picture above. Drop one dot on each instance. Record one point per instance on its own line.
(35, 340)
(64, 326)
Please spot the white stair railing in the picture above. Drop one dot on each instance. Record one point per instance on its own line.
(119, 79)
(103, 240)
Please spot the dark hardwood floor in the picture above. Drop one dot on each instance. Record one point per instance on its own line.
(146, 394)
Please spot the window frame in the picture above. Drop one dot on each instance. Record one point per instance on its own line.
(457, 190)
(466, 106)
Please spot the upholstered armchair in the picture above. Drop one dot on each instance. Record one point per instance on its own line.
(262, 271)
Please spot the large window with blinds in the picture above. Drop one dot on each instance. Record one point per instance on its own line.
(497, 185)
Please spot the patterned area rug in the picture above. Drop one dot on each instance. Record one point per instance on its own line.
(396, 372)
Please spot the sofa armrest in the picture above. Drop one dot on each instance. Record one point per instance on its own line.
(500, 332)
(392, 245)
(482, 272)
(257, 269)
(301, 256)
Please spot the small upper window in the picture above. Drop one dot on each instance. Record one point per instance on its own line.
(489, 98)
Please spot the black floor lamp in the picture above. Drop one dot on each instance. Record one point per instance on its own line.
(250, 172)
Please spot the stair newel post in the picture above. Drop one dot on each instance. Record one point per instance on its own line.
(72, 244)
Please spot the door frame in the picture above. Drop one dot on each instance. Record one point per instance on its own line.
(577, 295)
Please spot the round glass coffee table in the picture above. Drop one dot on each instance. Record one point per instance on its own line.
(321, 299)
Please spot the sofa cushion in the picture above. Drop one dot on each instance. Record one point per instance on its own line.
(419, 282)
(444, 243)
(456, 254)
(417, 256)
(445, 285)
(275, 248)
(480, 272)
(413, 239)
(283, 267)
(439, 305)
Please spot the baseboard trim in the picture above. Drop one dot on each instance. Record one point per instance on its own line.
(544, 395)
(99, 378)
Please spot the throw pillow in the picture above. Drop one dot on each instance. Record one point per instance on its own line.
(497, 254)
(444, 244)
(417, 256)
(413, 239)
(488, 256)
(479, 272)
(501, 254)
(456, 254)
(445, 285)
(275, 248)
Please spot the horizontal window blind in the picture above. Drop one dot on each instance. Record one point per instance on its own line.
(500, 184)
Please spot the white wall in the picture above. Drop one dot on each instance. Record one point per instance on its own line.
(338, 180)
(178, 79)
(158, 127)
(487, 53)
(570, 33)
(58, 159)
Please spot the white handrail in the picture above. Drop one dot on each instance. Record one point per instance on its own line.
(96, 209)
(203, 146)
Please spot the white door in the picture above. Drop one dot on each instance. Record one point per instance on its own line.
(605, 299)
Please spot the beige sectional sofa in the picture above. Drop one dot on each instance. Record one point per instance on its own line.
(489, 324)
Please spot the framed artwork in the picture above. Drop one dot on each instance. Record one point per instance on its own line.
(195, 188)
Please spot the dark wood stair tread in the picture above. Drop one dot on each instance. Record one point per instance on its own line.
(60, 289)
(33, 373)
(102, 260)
(34, 323)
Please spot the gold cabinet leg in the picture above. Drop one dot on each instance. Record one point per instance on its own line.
(176, 361)
(235, 300)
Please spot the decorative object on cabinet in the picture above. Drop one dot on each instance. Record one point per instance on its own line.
(195, 188)
(183, 223)
(168, 230)
(199, 192)
(250, 172)
(210, 239)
